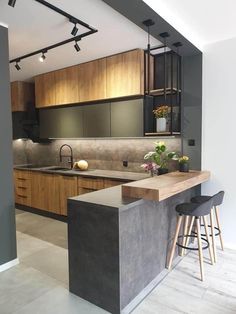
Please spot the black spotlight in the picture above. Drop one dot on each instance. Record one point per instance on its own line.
(12, 3)
(74, 30)
(77, 47)
(42, 57)
(17, 66)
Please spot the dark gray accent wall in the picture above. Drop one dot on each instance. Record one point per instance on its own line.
(192, 109)
(137, 11)
(7, 213)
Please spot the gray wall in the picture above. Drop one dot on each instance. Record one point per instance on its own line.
(7, 215)
(191, 114)
(100, 153)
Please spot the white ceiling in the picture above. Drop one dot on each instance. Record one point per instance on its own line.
(202, 22)
(33, 26)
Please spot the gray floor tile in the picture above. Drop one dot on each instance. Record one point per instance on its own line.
(52, 261)
(60, 301)
(21, 285)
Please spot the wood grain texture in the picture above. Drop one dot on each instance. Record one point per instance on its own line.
(92, 80)
(22, 95)
(45, 90)
(22, 187)
(161, 187)
(68, 188)
(67, 86)
(125, 72)
(90, 183)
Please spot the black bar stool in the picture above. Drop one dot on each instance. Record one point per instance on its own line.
(195, 212)
(215, 230)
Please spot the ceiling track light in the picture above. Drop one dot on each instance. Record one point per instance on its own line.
(77, 47)
(74, 30)
(17, 65)
(42, 57)
(12, 3)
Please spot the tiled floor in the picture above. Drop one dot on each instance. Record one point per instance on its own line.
(39, 285)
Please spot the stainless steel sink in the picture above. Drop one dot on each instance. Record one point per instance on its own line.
(58, 169)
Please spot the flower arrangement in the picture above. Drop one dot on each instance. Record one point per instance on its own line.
(159, 158)
(183, 160)
(183, 164)
(161, 112)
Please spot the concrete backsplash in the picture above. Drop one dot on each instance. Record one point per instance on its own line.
(100, 153)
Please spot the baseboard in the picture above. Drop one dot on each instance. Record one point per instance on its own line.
(8, 265)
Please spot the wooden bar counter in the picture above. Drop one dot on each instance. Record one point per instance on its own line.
(159, 188)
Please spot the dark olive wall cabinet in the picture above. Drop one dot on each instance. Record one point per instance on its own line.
(61, 122)
(116, 119)
(127, 118)
(96, 121)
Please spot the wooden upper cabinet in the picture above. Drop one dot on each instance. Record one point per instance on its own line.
(121, 75)
(67, 86)
(45, 90)
(125, 74)
(22, 95)
(92, 78)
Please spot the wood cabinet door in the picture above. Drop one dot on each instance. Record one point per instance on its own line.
(67, 86)
(45, 192)
(125, 74)
(68, 188)
(22, 95)
(45, 90)
(92, 77)
(22, 186)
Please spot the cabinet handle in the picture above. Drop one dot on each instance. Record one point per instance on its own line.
(22, 187)
(23, 196)
(22, 179)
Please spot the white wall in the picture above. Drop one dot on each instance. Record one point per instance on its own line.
(219, 129)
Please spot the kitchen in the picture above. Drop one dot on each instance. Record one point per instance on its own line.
(83, 120)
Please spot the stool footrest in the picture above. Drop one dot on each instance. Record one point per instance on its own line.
(191, 248)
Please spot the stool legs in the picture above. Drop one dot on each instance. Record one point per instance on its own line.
(179, 221)
(200, 247)
(208, 239)
(213, 234)
(218, 226)
(184, 233)
(189, 232)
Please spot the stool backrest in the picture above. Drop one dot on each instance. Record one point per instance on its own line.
(204, 208)
(218, 198)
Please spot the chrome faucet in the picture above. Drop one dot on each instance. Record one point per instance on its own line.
(67, 156)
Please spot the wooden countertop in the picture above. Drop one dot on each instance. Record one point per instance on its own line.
(159, 188)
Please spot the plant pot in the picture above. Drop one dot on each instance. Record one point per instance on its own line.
(161, 125)
(162, 171)
(184, 167)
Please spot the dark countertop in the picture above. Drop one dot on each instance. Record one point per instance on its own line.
(110, 197)
(94, 173)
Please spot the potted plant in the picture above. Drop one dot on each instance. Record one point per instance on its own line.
(161, 114)
(184, 164)
(160, 158)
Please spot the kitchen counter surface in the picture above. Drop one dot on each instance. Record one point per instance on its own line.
(95, 173)
(162, 187)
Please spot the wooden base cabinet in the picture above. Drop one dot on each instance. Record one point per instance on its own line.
(67, 188)
(22, 187)
(49, 192)
(45, 192)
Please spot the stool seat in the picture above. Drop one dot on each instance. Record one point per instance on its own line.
(186, 208)
(195, 209)
(200, 199)
(217, 198)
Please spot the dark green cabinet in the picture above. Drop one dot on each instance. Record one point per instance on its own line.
(127, 118)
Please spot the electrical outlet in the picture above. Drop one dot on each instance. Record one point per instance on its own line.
(125, 163)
